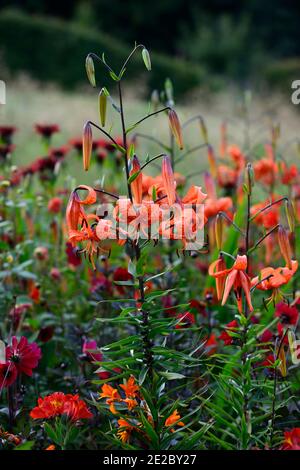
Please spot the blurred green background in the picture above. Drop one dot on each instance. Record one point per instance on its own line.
(203, 43)
(213, 50)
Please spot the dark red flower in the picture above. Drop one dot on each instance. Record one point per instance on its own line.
(187, 319)
(225, 335)
(59, 152)
(8, 374)
(72, 255)
(100, 284)
(287, 314)
(46, 333)
(6, 133)
(46, 130)
(24, 355)
(121, 274)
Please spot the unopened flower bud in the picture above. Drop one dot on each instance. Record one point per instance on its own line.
(284, 245)
(90, 70)
(102, 105)
(168, 180)
(87, 145)
(290, 214)
(203, 129)
(249, 178)
(219, 225)
(211, 160)
(41, 253)
(146, 58)
(175, 127)
(137, 183)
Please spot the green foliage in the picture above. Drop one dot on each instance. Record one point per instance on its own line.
(61, 48)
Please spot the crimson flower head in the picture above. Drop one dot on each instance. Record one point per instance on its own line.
(89, 349)
(59, 152)
(287, 314)
(8, 374)
(46, 130)
(25, 356)
(121, 274)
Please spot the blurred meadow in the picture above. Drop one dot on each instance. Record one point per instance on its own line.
(29, 102)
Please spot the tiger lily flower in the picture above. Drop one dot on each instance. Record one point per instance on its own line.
(273, 279)
(234, 277)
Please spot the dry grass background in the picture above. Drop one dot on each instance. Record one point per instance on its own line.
(29, 103)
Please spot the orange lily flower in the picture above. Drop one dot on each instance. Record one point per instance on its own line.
(124, 432)
(276, 277)
(234, 277)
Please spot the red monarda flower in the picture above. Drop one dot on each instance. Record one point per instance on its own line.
(58, 404)
(121, 274)
(291, 440)
(24, 355)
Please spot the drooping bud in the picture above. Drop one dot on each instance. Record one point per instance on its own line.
(282, 365)
(223, 144)
(87, 145)
(290, 214)
(249, 177)
(102, 105)
(211, 160)
(168, 180)
(90, 70)
(175, 127)
(146, 58)
(203, 129)
(220, 281)
(284, 245)
(219, 229)
(137, 183)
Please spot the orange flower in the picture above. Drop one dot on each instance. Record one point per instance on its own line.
(124, 432)
(112, 395)
(276, 277)
(266, 169)
(130, 388)
(227, 177)
(173, 419)
(236, 278)
(58, 404)
(51, 447)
